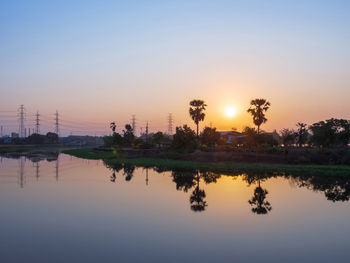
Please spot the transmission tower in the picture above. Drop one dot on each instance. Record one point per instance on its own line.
(37, 123)
(147, 131)
(21, 121)
(57, 128)
(170, 124)
(133, 123)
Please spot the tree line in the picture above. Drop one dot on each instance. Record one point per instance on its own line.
(323, 134)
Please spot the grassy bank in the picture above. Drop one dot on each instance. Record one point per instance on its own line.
(224, 167)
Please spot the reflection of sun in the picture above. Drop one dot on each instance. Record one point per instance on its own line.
(230, 111)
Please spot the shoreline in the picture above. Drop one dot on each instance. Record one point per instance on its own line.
(224, 167)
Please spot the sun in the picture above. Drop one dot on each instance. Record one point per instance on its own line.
(230, 111)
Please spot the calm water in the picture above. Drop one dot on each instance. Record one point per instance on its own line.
(73, 210)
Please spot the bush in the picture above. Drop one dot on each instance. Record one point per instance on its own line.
(184, 138)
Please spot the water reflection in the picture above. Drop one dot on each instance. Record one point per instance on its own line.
(334, 188)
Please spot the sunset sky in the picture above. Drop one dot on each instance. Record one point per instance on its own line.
(102, 61)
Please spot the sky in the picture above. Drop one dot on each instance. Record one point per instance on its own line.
(101, 61)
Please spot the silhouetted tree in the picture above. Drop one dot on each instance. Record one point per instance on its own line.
(257, 109)
(301, 134)
(251, 136)
(197, 108)
(113, 177)
(330, 133)
(184, 180)
(288, 136)
(128, 134)
(209, 136)
(184, 138)
(158, 137)
(113, 126)
(197, 201)
(128, 171)
(260, 206)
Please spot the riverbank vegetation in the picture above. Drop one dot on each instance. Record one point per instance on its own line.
(224, 167)
(325, 142)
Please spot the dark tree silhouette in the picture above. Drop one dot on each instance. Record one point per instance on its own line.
(184, 180)
(128, 134)
(198, 204)
(257, 109)
(260, 206)
(113, 177)
(128, 171)
(301, 133)
(113, 126)
(197, 108)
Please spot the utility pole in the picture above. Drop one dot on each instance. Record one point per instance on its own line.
(133, 124)
(21, 121)
(1, 134)
(57, 128)
(147, 132)
(56, 168)
(170, 124)
(37, 170)
(37, 123)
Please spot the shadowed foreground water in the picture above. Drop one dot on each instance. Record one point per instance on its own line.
(73, 210)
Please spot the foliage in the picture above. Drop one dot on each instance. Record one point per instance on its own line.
(257, 109)
(158, 138)
(333, 132)
(113, 126)
(288, 137)
(209, 137)
(35, 138)
(184, 138)
(301, 134)
(197, 108)
(128, 135)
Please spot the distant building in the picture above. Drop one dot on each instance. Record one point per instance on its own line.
(231, 136)
(82, 140)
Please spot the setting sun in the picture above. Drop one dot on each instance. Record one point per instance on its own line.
(230, 111)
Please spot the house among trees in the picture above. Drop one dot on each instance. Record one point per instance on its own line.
(232, 137)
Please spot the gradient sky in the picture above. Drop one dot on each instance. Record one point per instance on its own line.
(97, 61)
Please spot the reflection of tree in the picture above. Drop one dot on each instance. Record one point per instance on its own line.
(197, 201)
(113, 177)
(258, 202)
(210, 177)
(184, 180)
(335, 188)
(128, 171)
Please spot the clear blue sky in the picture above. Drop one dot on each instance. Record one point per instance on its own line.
(105, 60)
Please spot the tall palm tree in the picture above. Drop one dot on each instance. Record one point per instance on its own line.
(257, 109)
(198, 204)
(113, 126)
(260, 206)
(197, 108)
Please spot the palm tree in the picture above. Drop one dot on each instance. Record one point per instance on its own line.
(113, 126)
(257, 109)
(301, 133)
(197, 108)
(260, 206)
(198, 204)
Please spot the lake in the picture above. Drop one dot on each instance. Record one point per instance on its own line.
(67, 209)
